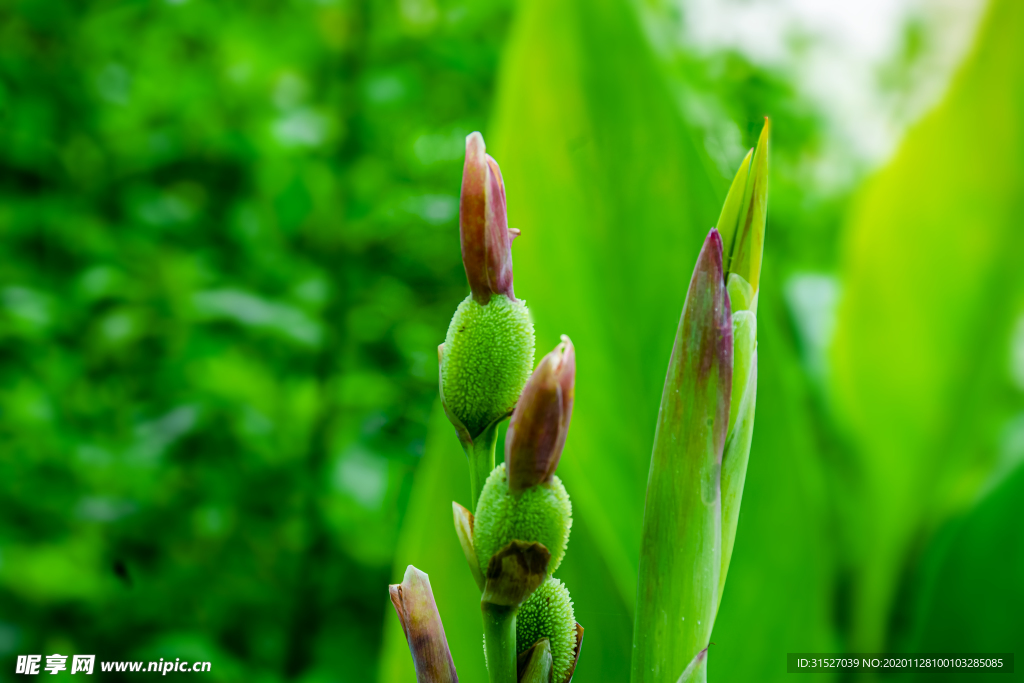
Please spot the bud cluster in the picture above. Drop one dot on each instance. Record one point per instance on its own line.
(516, 533)
(519, 534)
(523, 501)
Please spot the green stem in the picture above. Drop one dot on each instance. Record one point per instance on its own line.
(500, 641)
(481, 461)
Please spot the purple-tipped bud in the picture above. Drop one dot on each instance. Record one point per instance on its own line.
(483, 225)
(540, 422)
(414, 602)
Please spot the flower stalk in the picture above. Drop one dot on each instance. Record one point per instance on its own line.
(487, 354)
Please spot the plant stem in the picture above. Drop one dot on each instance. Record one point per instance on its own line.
(500, 640)
(481, 461)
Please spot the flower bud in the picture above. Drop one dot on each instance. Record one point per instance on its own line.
(483, 225)
(548, 614)
(540, 423)
(414, 602)
(541, 514)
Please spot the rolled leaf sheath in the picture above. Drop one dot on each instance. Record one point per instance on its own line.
(734, 470)
(680, 552)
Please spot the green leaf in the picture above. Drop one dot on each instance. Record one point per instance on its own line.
(743, 216)
(681, 549)
(932, 279)
(613, 200)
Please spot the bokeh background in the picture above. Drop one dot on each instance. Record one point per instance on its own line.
(229, 249)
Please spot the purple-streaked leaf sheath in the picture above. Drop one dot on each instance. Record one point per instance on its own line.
(414, 602)
(680, 553)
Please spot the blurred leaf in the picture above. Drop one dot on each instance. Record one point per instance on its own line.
(222, 267)
(428, 540)
(972, 581)
(932, 282)
(614, 199)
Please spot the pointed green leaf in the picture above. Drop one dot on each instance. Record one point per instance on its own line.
(742, 221)
(733, 208)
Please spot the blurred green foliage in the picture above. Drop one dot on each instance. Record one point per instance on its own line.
(924, 381)
(879, 420)
(228, 247)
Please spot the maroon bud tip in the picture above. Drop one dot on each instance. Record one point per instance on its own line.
(483, 224)
(540, 421)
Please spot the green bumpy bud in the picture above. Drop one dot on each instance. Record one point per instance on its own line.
(541, 514)
(548, 614)
(487, 358)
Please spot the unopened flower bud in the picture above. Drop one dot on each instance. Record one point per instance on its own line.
(483, 224)
(540, 423)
